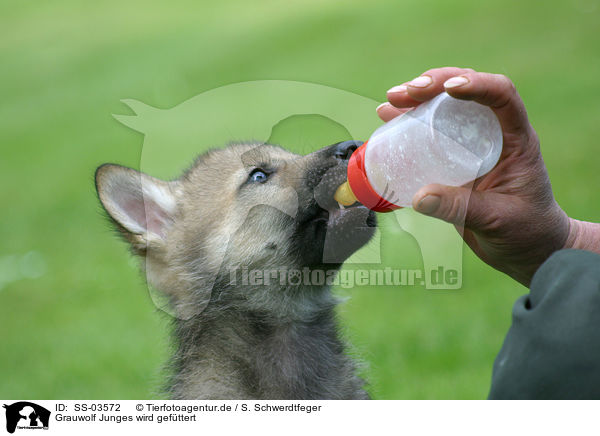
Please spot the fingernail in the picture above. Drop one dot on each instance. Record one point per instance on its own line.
(380, 106)
(456, 81)
(429, 204)
(397, 89)
(421, 82)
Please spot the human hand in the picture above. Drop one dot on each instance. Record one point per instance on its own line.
(508, 217)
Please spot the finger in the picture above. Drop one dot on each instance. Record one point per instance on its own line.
(388, 112)
(431, 82)
(398, 97)
(496, 91)
(457, 205)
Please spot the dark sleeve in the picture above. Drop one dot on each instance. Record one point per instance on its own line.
(552, 349)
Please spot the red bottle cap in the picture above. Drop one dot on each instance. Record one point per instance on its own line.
(361, 187)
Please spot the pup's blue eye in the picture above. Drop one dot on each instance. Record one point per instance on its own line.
(258, 176)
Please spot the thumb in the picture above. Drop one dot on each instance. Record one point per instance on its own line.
(454, 204)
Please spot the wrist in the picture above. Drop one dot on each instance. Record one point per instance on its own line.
(583, 236)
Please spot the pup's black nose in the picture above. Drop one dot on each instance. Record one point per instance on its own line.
(344, 150)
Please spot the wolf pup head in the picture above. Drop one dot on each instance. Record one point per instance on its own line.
(247, 207)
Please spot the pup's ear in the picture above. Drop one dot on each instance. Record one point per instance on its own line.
(142, 207)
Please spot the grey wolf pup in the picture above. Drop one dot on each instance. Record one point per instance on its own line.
(247, 207)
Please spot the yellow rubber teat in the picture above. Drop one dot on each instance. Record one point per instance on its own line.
(344, 195)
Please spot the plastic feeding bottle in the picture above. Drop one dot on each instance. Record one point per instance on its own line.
(444, 140)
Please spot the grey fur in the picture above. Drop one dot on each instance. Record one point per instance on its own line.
(233, 340)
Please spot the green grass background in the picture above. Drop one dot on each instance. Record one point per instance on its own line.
(87, 327)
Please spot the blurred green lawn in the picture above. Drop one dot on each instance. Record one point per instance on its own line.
(87, 328)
